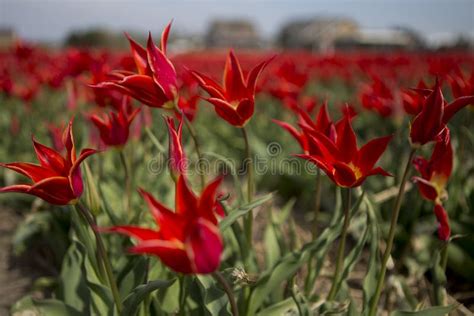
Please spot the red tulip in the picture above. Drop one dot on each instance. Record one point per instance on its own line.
(235, 101)
(176, 156)
(323, 124)
(435, 113)
(378, 97)
(436, 171)
(444, 230)
(188, 240)
(56, 179)
(114, 129)
(155, 84)
(341, 160)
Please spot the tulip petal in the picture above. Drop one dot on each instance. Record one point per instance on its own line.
(164, 73)
(444, 230)
(204, 247)
(171, 253)
(139, 56)
(453, 107)
(49, 158)
(346, 141)
(226, 111)
(254, 74)
(234, 79)
(370, 153)
(211, 87)
(32, 171)
(186, 200)
(427, 124)
(207, 201)
(344, 175)
(133, 231)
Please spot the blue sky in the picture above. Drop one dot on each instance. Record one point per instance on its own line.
(51, 19)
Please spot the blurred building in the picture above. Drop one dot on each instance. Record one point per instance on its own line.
(328, 34)
(7, 36)
(233, 33)
(382, 39)
(317, 34)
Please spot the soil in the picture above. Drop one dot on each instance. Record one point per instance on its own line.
(16, 273)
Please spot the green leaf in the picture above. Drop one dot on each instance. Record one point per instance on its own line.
(92, 194)
(72, 288)
(432, 311)
(214, 299)
(132, 274)
(133, 300)
(47, 307)
(280, 308)
(241, 211)
(352, 258)
(370, 280)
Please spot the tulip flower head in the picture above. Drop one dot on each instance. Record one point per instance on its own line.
(188, 240)
(114, 128)
(155, 84)
(176, 155)
(57, 179)
(235, 100)
(434, 177)
(430, 122)
(322, 124)
(341, 160)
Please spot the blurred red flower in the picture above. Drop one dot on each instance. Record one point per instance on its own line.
(235, 101)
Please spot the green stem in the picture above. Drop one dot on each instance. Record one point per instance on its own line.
(128, 182)
(317, 205)
(103, 255)
(228, 290)
(193, 134)
(342, 245)
(250, 187)
(444, 256)
(391, 236)
(182, 295)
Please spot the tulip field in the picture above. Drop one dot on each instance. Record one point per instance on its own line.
(239, 182)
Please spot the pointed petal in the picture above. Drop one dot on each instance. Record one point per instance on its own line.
(49, 158)
(370, 153)
(186, 201)
(444, 230)
(204, 247)
(254, 74)
(32, 171)
(164, 73)
(453, 107)
(75, 177)
(294, 132)
(234, 79)
(164, 37)
(133, 231)
(346, 141)
(427, 124)
(171, 253)
(139, 56)
(209, 85)
(226, 111)
(207, 201)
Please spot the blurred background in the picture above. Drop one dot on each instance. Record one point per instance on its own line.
(322, 26)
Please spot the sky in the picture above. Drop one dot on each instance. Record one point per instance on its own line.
(51, 20)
